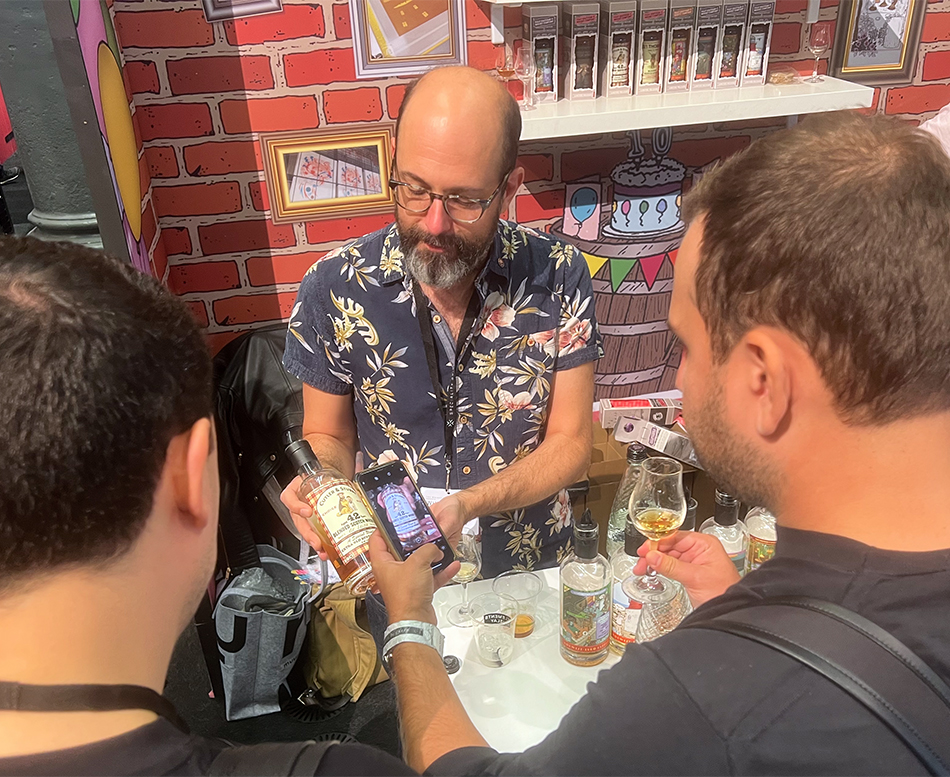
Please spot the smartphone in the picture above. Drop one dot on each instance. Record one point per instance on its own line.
(401, 513)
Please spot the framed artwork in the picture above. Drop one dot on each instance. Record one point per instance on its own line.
(877, 40)
(318, 175)
(220, 10)
(406, 37)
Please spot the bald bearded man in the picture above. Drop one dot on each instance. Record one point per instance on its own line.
(454, 341)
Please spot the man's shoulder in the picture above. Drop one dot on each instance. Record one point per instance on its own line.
(360, 256)
(541, 255)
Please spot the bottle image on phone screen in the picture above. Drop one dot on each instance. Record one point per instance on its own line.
(401, 513)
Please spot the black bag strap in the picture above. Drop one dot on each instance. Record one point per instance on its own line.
(87, 698)
(299, 759)
(862, 659)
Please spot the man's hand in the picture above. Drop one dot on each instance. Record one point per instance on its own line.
(407, 586)
(451, 515)
(696, 560)
(301, 513)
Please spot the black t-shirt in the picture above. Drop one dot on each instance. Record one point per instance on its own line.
(704, 702)
(161, 749)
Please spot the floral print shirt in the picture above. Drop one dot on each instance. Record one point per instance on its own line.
(354, 330)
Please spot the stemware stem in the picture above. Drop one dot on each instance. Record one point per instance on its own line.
(814, 74)
(463, 607)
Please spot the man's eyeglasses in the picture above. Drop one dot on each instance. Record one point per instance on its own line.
(462, 210)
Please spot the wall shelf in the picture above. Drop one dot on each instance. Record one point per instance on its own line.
(618, 114)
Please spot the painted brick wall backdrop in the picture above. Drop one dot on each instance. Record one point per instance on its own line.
(202, 92)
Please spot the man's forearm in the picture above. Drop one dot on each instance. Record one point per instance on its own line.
(434, 722)
(334, 453)
(556, 463)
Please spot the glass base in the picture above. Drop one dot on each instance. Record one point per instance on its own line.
(814, 80)
(648, 589)
(460, 615)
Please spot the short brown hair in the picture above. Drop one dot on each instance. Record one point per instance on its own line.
(837, 231)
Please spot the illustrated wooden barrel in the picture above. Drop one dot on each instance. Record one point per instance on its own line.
(641, 355)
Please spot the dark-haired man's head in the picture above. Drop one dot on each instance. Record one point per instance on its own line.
(817, 264)
(457, 134)
(109, 486)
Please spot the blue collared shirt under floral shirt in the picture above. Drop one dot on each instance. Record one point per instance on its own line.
(354, 330)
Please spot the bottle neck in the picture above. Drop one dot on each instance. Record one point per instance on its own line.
(308, 469)
(726, 515)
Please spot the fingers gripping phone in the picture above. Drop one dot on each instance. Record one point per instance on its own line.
(401, 513)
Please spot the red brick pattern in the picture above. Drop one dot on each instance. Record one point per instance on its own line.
(202, 93)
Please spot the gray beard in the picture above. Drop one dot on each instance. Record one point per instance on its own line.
(437, 271)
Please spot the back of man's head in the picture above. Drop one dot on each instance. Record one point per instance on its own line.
(837, 231)
(101, 368)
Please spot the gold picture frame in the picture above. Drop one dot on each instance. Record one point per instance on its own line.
(323, 174)
(876, 41)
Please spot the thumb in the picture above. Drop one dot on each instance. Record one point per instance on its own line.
(427, 553)
(670, 567)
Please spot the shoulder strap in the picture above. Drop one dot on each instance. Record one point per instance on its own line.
(862, 659)
(300, 759)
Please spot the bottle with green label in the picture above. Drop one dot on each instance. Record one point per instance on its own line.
(762, 536)
(585, 598)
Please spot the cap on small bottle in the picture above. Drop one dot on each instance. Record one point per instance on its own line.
(727, 509)
(301, 455)
(637, 452)
(586, 532)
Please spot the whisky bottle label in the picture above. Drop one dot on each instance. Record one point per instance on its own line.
(345, 518)
(585, 619)
(760, 551)
(624, 616)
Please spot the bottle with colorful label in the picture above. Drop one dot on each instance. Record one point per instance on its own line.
(762, 537)
(624, 611)
(585, 598)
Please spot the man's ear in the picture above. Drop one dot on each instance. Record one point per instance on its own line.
(767, 376)
(192, 481)
(514, 183)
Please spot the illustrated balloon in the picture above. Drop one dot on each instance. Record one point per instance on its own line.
(583, 203)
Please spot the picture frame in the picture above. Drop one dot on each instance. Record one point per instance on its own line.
(407, 37)
(322, 174)
(876, 41)
(223, 10)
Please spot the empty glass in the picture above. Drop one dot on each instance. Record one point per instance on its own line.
(526, 69)
(494, 616)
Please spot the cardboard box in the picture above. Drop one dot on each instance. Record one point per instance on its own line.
(540, 31)
(758, 43)
(651, 46)
(659, 411)
(703, 60)
(731, 40)
(681, 34)
(618, 25)
(581, 41)
(667, 442)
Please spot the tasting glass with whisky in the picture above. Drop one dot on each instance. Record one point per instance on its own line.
(469, 555)
(657, 509)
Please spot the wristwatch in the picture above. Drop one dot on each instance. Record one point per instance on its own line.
(410, 631)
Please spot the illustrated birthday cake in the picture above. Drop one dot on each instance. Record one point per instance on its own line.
(647, 195)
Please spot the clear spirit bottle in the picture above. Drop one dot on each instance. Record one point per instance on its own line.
(726, 526)
(585, 598)
(340, 517)
(762, 536)
(624, 611)
(620, 509)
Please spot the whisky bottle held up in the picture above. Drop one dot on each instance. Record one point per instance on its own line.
(340, 517)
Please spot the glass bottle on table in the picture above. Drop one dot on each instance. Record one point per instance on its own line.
(340, 517)
(624, 611)
(726, 526)
(585, 598)
(657, 509)
(760, 524)
(470, 559)
(620, 510)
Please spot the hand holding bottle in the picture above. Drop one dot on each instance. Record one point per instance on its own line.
(698, 561)
(301, 513)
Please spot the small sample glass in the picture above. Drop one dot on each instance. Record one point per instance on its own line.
(494, 616)
(469, 554)
(524, 588)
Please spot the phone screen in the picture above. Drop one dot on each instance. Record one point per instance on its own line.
(401, 512)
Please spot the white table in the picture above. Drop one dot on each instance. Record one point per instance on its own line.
(517, 705)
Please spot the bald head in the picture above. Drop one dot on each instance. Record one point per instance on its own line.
(463, 103)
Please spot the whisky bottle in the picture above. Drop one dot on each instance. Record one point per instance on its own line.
(620, 510)
(340, 517)
(624, 611)
(761, 525)
(726, 526)
(585, 598)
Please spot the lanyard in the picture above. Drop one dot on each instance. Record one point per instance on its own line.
(449, 407)
(86, 698)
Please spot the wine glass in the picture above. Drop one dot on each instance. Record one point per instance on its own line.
(657, 509)
(504, 66)
(525, 69)
(819, 40)
(470, 556)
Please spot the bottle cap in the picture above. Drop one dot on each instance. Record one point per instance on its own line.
(727, 509)
(689, 522)
(301, 455)
(636, 452)
(586, 532)
(632, 539)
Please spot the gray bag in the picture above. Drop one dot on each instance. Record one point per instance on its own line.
(261, 621)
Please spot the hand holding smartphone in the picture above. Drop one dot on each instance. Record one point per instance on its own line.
(402, 515)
